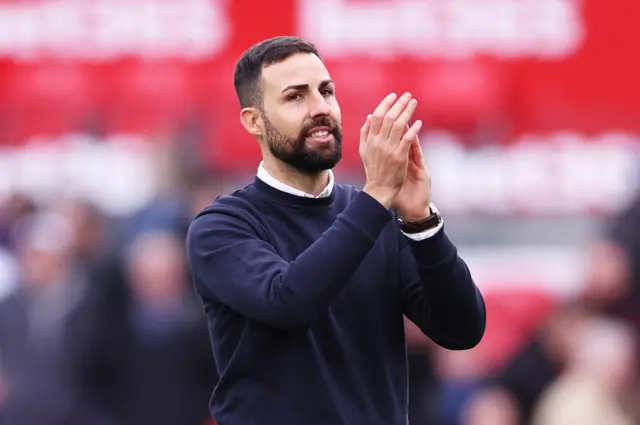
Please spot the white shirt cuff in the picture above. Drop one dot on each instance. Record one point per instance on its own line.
(427, 233)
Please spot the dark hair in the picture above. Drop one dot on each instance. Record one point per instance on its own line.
(246, 78)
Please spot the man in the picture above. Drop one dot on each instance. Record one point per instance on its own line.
(305, 282)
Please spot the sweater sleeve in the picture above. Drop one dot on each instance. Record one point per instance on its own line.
(439, 294)
(231, 263)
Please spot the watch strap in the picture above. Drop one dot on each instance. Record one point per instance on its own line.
(428, 223)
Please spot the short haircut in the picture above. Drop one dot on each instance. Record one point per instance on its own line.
(248, 72)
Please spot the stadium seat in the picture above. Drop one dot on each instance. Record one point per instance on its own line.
(464, 96)
(513, 316)
(147, 98)
(46, 99)
(226, 144)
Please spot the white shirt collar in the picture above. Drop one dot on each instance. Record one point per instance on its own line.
(264, 175)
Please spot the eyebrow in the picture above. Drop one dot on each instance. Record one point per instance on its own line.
(306, 86)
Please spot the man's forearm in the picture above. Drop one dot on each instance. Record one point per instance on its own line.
(456, 315)
(324, 268)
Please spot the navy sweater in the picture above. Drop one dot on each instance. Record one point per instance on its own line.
(305, 300)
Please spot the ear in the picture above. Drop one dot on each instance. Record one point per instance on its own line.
(252, 121)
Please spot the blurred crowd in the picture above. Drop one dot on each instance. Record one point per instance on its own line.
(98, 320)
(576, 360)
(99, 325)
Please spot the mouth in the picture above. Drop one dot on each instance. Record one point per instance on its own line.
(320, 134)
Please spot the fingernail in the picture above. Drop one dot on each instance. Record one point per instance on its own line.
(419, 123)
(407, 95)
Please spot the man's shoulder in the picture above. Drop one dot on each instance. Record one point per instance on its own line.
(235, 202)
(234, 210)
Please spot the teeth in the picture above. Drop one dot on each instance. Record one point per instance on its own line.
(320, 134)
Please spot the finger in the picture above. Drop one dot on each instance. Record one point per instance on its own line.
(399, 124)
(381, 111)
(418, 154)
(364, 131)
(412, 157)
(407, 140)
(394, 113)
(415, 153)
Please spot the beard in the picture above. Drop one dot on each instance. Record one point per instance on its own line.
(295, 152)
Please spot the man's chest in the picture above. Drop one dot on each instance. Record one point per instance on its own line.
(374, 282)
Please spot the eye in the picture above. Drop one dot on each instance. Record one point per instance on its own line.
(327, 92)
(294, 96)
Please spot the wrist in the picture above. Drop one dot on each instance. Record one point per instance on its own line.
(432, 222)
(416, 217)
(383, 195)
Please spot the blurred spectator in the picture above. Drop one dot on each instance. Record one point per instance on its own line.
(608, 288)
(35, 327)
(519, 385)
(492, 407)
(202, 191)
(170, 207)
(625, 233)
(623, 241)
(599, 381)
(148, 360)
(94, 248)
(607, 283)
(461, 376)
(89, 228)
(12, 211)
(8, 272)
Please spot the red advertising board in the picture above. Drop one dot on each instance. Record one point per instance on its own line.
(499, 68)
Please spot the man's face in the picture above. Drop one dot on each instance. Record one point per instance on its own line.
(301, 114)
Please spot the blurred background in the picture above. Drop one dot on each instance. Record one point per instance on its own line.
(118, 122)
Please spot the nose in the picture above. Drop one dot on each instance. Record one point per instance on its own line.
(319, 106)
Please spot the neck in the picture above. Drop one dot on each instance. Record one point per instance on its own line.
(312, 183)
